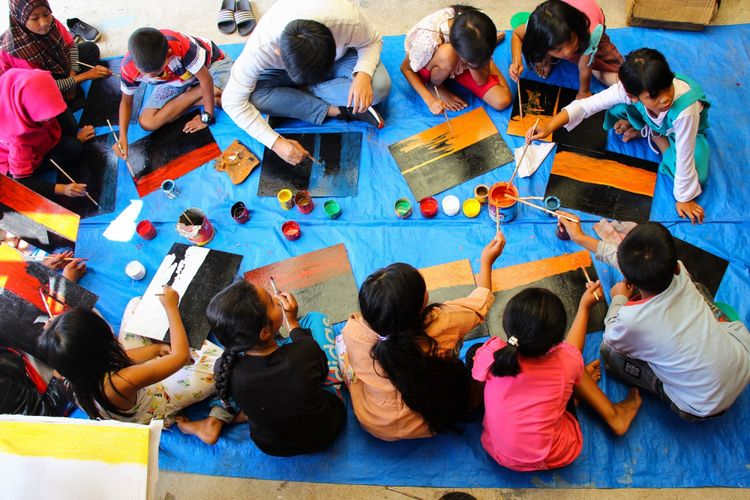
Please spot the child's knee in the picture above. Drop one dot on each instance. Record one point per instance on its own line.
(148, 122)
(498, 98)
(381, 85)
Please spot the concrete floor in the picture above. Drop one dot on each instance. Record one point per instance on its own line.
(116, 20)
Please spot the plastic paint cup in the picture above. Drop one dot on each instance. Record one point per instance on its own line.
(472, 207)
(481, 192)
(291, 230)
(500, 206)
(402, 207)
(286, 199)
(169, 188)
(240, 213)
(304, 202)
(451, 205)
(146, 230)
(552, 203)
(561, 232)
(135, 270)
(429, 207)
(332, 209)
(195, 226)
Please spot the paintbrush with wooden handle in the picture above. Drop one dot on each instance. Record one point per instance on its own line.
(445, 112)
(588, 280)
(283, 311)
(546, 210)
(117, 141)
(71, 180)
(92, 67)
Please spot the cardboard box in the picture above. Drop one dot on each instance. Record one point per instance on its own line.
(691, 15)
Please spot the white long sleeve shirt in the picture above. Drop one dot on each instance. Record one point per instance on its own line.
(262, 52)
(685, 127)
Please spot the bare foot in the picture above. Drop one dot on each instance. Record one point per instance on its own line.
(452, 101)
(627, 131)
(500, 37)
(594, 370)
(207, 430)
(661, 142)
(625, 412)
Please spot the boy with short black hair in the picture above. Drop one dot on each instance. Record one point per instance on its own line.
(663, 332)
(186, 71)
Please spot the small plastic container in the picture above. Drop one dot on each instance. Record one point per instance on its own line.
(451, 205)
(472, 207)
(403, 209)
(135, 270)
(146, 230)
(291, 230)
(429, 207)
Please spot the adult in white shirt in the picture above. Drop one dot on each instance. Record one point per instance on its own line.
(311, 60)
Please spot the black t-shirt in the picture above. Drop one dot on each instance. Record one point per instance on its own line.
(289, 411)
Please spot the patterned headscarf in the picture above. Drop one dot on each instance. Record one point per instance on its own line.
(46, 52)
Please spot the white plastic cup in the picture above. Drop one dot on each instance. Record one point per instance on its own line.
(135, 270)
(451, 205)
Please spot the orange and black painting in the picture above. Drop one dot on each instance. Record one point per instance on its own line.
(30, 291)
(607, 184)
(169, 153)
(320, 281)
(562, 275)
(35, 219)
(443, 157)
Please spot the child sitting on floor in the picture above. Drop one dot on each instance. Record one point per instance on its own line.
(400, 355)
(662, 332)
(186, 71)
(289, 393)
(530, 420)
(454, 43)
(567, 29)
(651, 101)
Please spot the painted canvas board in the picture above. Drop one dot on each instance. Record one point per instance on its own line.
(562, 275)
(337, 173)
(169, 153)
(451, 281)
(197, 274)
(103, 98)
(35, 219)
(440, 158)
(607, 184)
(25, 287)
(97, 168)
(704, 267)
(320, 281)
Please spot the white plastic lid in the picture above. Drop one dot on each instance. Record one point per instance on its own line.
(135, 270)
(451, 205)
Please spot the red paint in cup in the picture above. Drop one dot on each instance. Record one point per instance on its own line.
(291, 230)
(304, 202)
(146, 230)
(429, 207)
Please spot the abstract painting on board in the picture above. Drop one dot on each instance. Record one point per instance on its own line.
(169, 153)
(561, 275)
(97, 168)
(197, 274)
(443, 157)
(607, 184)
(337, 173)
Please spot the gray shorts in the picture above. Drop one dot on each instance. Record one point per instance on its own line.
(163, 93)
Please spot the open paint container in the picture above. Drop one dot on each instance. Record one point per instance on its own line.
(429, 207)
(501, 207)
(304, 202)
(291, 230)
(195, 226)
(451, 205)
(481, 192)
(332, 209)
(240, 213)
(402, 207)
(286, 199)
(471, 207)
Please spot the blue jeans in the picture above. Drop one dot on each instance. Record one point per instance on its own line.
(277, 95)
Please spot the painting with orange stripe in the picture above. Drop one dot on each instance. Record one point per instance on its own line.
(442, 157)
(607, 184)
(169, 153)
(562, 275)
(35, 219)
(24, 289)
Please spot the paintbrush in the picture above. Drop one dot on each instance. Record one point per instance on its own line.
(283, 311)
(71, 180)
(520, 102)
(92, 67)
(554, 214)
(445, 113)
(44, 301)
(117, 141)
(315, 159)
(35, 258)
(523, 153)
(588, 280)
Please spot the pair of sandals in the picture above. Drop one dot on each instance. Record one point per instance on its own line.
(236, 15)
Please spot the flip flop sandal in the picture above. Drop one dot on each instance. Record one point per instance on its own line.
(245, 18)
(82, 29)
(225, 20)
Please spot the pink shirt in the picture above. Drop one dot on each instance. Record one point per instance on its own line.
(9, 61)
(591, 10)
(525, 424)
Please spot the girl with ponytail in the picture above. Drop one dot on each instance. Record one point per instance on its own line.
(530, 420)
(287, 391)
(400, 354)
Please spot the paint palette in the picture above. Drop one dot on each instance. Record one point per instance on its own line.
(97, 168)
(336, 174)
(607, 184)
(704, 267)
(27, 291)
(320, 281)
(440, 158)
(197, 274)
(451, 281)
(169, 153)
(561, 275)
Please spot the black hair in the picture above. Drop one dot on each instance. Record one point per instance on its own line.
(552, 24)
(308, 51)
(236, 316)
(536, 318)
(645, 70)
(473, 35)
(148, 48)
(81, 346)
(435, 386)
(647, 257)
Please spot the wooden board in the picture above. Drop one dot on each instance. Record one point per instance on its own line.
(169, 153)
(607, 184)
(197, 274)
(97, 168)
(103, 99)
(451, 281)
(440, 158)
(35, 219)
(321, 281)
(562, 275)
(704, 267)
(24, 288)
(339, 153)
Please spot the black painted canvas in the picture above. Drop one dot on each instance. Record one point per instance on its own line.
(589, 135)
(103, 99)
(97, 168)
(442, 295)
(336, 175)
(704, 267)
